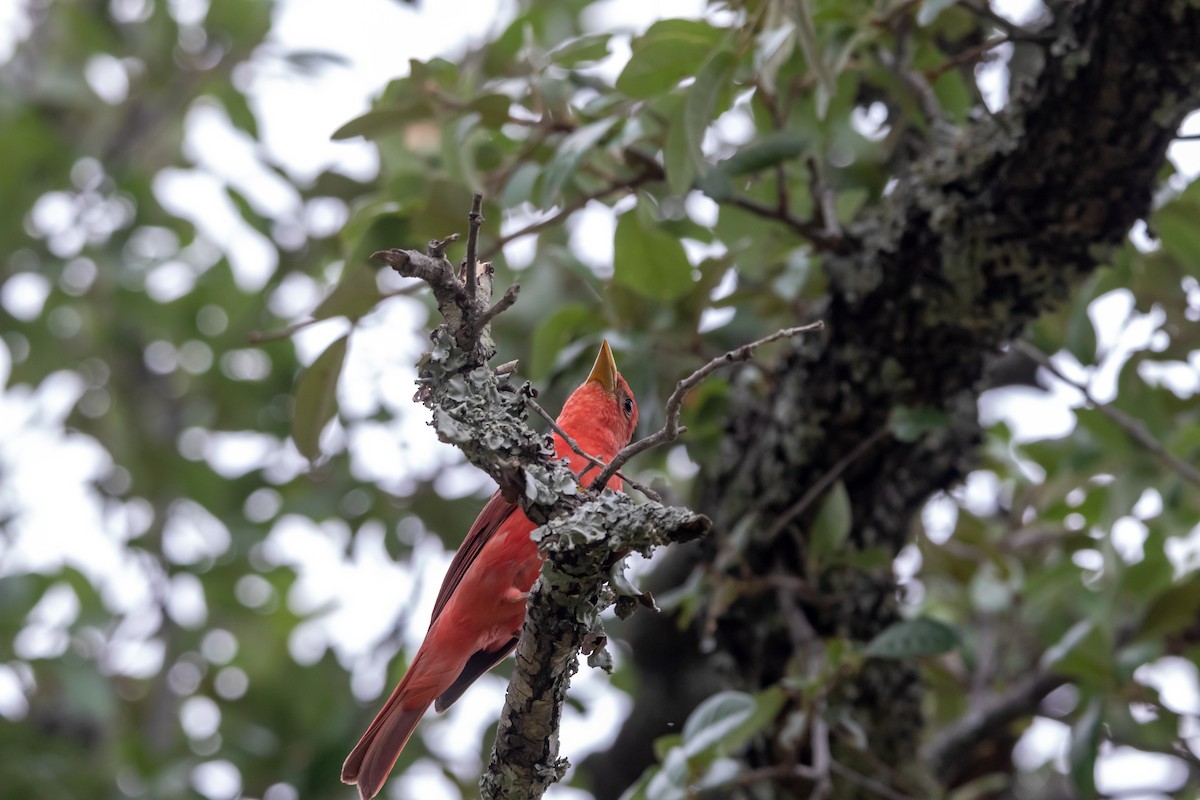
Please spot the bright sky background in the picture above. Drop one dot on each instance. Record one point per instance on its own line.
(47, 472)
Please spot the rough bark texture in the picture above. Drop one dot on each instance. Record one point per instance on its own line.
(992, 226)
(563, 618)
(584, 533)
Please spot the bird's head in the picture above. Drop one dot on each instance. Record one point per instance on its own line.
(603, 406)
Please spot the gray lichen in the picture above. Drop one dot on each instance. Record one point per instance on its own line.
(584, 534)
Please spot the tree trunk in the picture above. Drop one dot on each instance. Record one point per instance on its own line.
(991, 226)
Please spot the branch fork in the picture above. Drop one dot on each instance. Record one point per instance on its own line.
(585, 530)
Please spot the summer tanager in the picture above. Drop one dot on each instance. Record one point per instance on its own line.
(479, 610)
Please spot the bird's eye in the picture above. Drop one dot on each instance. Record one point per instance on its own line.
(628, 405)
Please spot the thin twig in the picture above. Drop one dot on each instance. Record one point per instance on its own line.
(503, 304)
(474, 223)
(920, 88)
(1135, 428)
(437, 247)
(574, 445)
(809, 230)
(822, 760)
(824, 209)
(792, 584)
(257, 337)
(508, 367)
(968, 55)
(566, 211)
(826, 480)
(947, 751)
(671, 428)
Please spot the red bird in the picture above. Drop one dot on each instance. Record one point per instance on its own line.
(481, 605)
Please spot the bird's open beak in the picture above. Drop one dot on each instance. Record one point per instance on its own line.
(605, 370)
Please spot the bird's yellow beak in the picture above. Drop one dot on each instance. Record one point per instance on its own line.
(605, 370)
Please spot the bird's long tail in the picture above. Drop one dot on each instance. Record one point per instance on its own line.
(375, 754)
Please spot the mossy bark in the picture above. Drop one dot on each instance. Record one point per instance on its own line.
(994, 224)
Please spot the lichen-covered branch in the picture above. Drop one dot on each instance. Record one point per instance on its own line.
(981, 233)
(585, 533)
(581, 551)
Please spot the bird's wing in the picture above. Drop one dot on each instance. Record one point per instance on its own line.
(493, 515)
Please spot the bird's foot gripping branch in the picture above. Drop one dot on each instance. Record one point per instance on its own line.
(586, 529)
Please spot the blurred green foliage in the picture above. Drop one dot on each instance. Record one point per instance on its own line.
(712, 229)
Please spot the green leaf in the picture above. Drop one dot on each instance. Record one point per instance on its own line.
(763, 153)
(649, 261)
(316, 398)
(1083, 652)
(930, 9)
(555, 332)
(953, 95)
(1080, 334)
(519, 188)
(638, 790)
(1171, 611)
(1175, 226)
(354, 296)
(383, 122)
(715, 718)
(671, 780)
(670, 51)
(375, 227)
(910, 424)
(583, 49)
(806, 35)
(921, 636)
(678, 163)
(701, 103)
(832, 525)
(457, 144)
(1085, 743)
(571, 151)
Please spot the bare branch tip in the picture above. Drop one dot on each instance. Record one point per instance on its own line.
(474, 223)
(392, 257)
(437, 247)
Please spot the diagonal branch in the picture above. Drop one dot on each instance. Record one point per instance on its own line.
(1134, 427)
(671, 429)
(474, 223)
(585, 534)
(574, 445)
(947, 751)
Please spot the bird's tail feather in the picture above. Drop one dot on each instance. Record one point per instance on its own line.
(375, 754)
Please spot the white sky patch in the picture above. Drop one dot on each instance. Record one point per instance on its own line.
(1044, 741)
(212, 142)
(24, 294)
(1030, 413)
(591, 239)
(939, 516)
(1122, 771)
(16, 23)
(1128, 535)
(377, 38)
(992, 78)
(200, 198)
(107, 77)
(1185, 154)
